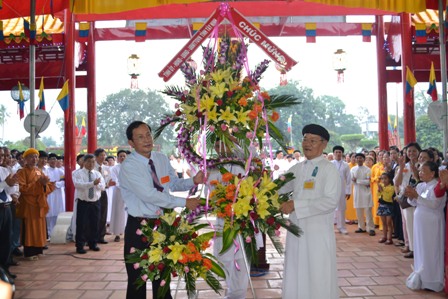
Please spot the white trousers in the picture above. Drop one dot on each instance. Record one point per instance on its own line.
(408, 215)
(340, 213)
(369, 218)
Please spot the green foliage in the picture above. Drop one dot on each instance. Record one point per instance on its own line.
(352, 141)
(49, 141)
(327, 111)
(120, 109)
(368, 143)
(24, 144)
(428, 134)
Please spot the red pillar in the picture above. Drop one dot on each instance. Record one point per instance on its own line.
(69, 118)
(382, 85)
(406, 60)
(91, 92)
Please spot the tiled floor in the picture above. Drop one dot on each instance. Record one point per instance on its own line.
(367, 269)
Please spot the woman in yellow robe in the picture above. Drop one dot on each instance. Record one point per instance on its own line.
(377, 170)
(34, 186)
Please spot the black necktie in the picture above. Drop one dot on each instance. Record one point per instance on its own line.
(155, 179)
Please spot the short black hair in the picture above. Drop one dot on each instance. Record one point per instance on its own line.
(98, 151)
(121, 151)
(88, 156)
(110, 157)
(133, 125)
(297, 151)
(80, 156)
(43, 154)
(360, 155)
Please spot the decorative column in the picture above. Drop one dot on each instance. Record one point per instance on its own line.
(69, 115)
(406, 60)
(91, 92)
(383, 135)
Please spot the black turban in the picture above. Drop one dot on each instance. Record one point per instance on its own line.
(316, 130)
(338, 147)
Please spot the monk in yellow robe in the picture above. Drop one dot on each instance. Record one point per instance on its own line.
(34, 186)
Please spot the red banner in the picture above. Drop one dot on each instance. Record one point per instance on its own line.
(258, 37)
(243, 25)
(171, 68)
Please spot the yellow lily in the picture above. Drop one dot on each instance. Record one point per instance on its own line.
(158, 237)
(242, 116)
(242, 207)
(176, 252)
(155, 254)
(220, 75)
(226, 115)
(218, 90)
(212, 115)
(207, 102)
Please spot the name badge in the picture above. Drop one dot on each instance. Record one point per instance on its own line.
(165, 179)
(405, 170)
(308, 185)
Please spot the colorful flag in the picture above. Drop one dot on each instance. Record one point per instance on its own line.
(76, 126)
(310, 32)
(140, 31)
(410, 80)
(420, 33)
(41, 95)
(83, 33)
(63, 96)
(83, 127)
(21, 102)
(289, 123)
(26, 27)
(390, 131)
(366, 32)
(432, 90)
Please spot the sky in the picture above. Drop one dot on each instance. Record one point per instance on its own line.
(314, 70)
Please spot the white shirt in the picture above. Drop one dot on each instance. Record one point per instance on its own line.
(83, 184)
(4, 173)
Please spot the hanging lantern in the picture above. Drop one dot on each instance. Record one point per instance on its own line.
(134, 70)
(283, 78)
(339, 64)
(15, 93)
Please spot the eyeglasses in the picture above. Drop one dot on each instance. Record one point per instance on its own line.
(312, 141)
(141, 138)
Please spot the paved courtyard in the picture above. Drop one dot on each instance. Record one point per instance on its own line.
(367, 269)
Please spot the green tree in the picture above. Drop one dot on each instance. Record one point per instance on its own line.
(428, 134)
(352, 141)
(78, 121)
(118, 110)
(49, 141)
(325, 110)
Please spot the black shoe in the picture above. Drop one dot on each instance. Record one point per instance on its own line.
(81, 251)
(102, 241)
(372, 233)
(17, 252)
(12, 263)
(13, 276)
(409, 255)
(360, 230)
(117, 239)
(94, 248)
(45, 247)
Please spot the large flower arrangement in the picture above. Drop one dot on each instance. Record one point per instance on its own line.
(222, 103)
(175, 249)
(250, 205)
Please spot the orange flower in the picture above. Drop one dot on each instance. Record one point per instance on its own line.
(230, 188)
(243, 102)
(207, 263)
(205, 245)
(228, 210)
(230, 195)
(226, 177)
(265, 95)
(275, 116)
(253, 114)
(214, 182)
(183, 259)
(257, 108)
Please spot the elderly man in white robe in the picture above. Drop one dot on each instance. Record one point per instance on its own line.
(346, 187)
(56, 199)
(310, 260)
(362, 195)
